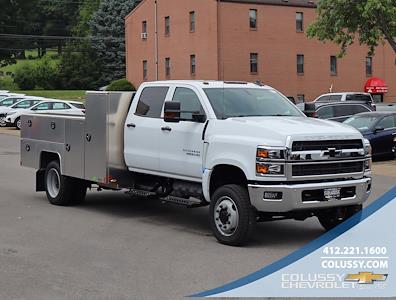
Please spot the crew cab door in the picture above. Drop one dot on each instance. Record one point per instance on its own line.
(181, 143)
(143, 129)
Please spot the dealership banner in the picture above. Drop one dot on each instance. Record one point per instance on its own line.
(355, 259)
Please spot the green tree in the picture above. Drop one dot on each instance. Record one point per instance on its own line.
(108, 36)
(86, 10)
(342, 21)
(25, 77)
(79, 67)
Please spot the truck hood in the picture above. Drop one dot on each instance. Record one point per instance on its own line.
(276, 130)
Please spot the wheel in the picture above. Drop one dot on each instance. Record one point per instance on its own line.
(232, 217)
(2, 122)
(333, 217)
(62, 190)
(18, 123)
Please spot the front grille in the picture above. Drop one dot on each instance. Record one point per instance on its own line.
(325, 145)
(328, 169)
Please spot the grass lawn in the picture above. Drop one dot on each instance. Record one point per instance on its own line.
(57, 94)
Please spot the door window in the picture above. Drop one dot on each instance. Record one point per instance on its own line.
(357, 109)
(60, 105)
(43, 106)
(326, 112)
(189, 101)
(335, 98)
(151, 102)
(344, 110)
(387, 122)
(324, 99)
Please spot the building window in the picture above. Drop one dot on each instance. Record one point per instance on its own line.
(167, 67)
(301, 98)
(300, 22)
(369, 66)
(144, 27)
(300, 64)
(253, 18)
(193, 66)
(167, 26)
(144, 69)
(333, 65)
(192, 21)
(253, 63)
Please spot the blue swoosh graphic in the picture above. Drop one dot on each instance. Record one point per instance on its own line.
(307, 249)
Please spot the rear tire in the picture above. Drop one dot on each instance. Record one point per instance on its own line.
(333, 217)
(62, 190)
(18, 123)
(232, 218)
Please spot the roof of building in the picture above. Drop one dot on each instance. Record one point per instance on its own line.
(298, 3)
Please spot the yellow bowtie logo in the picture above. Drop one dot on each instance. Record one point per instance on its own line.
(366, 277)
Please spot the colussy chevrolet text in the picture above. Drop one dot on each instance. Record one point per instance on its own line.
(242, 149)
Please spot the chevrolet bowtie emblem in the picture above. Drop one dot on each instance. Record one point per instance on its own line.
(366, 277)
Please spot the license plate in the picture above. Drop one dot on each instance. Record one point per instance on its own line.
(332, 194)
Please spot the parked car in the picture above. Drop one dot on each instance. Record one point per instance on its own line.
(338, 111)
(53, 106)
(347, 96)
(386, 107)
(23, 104)
(9, 101)
(379, 128)
(4, 95)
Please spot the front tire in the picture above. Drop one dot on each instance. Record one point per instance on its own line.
(335, 216)
(62, 190)
(232, 217)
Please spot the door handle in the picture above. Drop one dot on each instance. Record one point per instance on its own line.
(167, 128)
(131, 125)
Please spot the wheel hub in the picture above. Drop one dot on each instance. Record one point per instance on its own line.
(226, 216)
(53, 183)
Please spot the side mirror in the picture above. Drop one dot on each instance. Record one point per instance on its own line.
(172, 111)
(378, 129)
(310, 110)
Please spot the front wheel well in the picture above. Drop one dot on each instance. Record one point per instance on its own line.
(226, 174)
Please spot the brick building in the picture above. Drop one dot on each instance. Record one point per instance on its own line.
(249, 40)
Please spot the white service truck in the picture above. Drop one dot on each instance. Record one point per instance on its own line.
(243, 149)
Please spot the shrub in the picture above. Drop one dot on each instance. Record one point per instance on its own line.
(79, 67)
(25, 77)
(47, 73)
(121, 85)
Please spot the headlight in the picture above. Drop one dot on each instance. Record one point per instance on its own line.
(266, 153)
(269, 169)
(367, 147)
(270, 161)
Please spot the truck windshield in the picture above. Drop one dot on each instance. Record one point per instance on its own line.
(249, 102)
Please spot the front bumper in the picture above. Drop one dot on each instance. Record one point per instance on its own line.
(292, 199)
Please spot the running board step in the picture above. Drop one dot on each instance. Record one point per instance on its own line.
(190, 203)
(140, 193)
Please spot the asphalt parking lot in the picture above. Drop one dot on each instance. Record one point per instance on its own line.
(112, 247)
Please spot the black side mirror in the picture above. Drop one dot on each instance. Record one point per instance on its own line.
(378, 129)
(172, 111)
(310, 110)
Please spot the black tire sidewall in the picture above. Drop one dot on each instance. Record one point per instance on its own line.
(328, 219)
(58, 199)
(247, 219)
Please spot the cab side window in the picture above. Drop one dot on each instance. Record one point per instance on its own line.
(60, 105)
(387, 122)
(43, 106)
(151, 102)
(326, 112)
(323, 99)
(335, 98)
(344, 110)
(189, 101)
